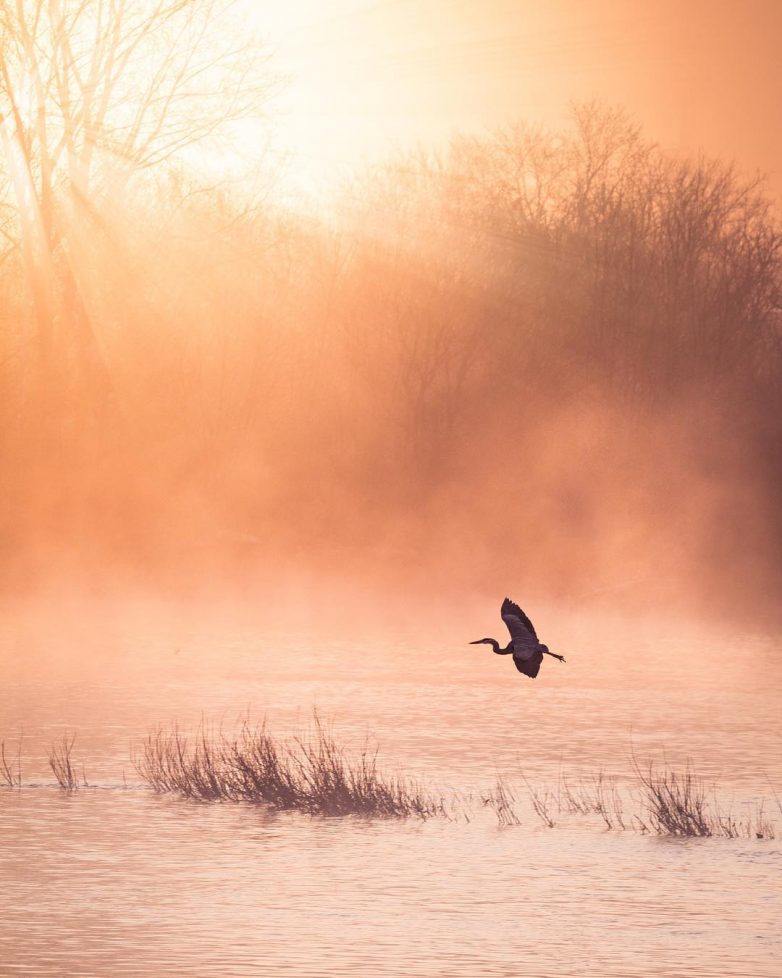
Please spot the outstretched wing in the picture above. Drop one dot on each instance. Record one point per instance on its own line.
(510, 609)
(522, 631)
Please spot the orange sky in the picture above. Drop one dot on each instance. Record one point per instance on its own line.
(364, 75)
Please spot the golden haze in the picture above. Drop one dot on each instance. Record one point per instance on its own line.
(542, 355)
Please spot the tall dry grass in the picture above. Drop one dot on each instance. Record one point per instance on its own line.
(313, 773)
(680, 803)
(660, 800)
(11, 776)
(502, 800)
(61, 763)
(598, 794)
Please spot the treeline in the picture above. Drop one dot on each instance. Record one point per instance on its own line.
(537, 356)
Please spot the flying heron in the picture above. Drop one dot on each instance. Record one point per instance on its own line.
(524, 646)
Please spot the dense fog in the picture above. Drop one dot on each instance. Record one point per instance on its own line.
(546, 361)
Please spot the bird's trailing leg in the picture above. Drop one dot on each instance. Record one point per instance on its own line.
(554, 654)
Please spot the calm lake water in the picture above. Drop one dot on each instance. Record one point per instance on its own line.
(115, 880)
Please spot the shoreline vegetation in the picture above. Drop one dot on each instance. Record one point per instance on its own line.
(665, 801)
(314, 774)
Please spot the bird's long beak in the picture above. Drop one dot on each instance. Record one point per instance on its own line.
(478, 641)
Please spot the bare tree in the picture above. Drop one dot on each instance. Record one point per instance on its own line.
(98, 87)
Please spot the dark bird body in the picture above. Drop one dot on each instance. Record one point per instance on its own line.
(524, 646)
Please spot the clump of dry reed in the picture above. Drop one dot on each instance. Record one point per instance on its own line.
(598, 795)
(677, 803)
(10, 777)
(502, 800)
(62, 765)
(542, 802)
(312, 774)
(672, 802)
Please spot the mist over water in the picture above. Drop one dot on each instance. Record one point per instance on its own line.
(545, 361)
(114, 880)
(274, 460)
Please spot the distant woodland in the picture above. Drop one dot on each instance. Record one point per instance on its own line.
(532, 355)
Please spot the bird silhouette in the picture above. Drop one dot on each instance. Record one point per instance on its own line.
(524, 646)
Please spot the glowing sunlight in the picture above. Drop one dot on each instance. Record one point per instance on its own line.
(390, 488)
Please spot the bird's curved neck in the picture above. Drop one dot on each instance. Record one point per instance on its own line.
(498, 648)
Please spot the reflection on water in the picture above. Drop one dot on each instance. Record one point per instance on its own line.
(116, 881)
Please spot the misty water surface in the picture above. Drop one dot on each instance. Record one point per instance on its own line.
(114, 880)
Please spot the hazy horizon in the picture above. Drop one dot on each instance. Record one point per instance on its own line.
(325, 326)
